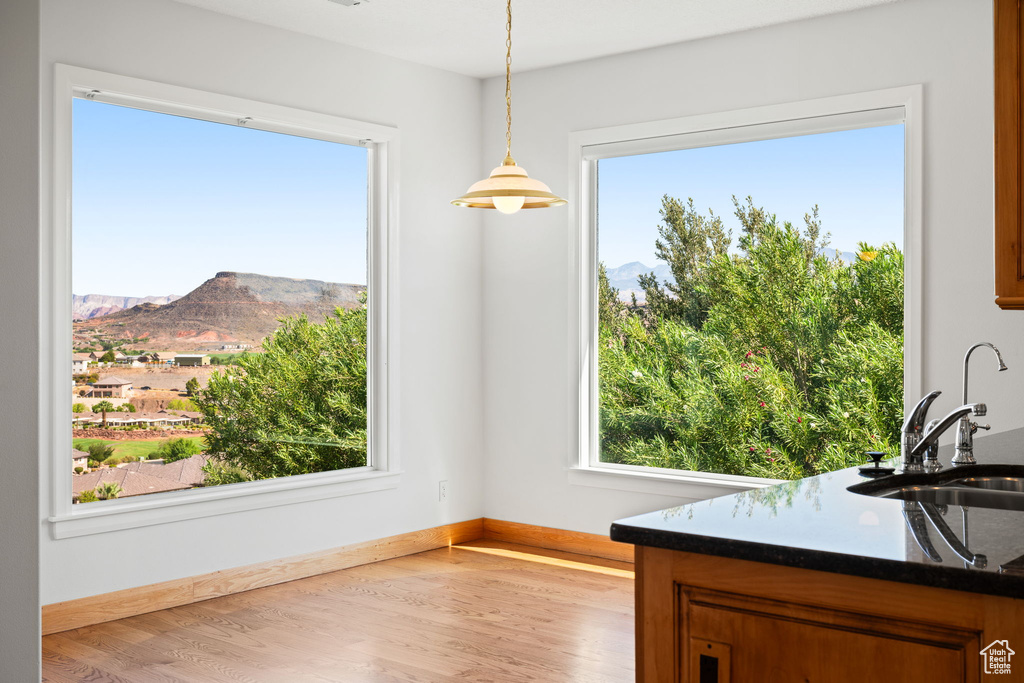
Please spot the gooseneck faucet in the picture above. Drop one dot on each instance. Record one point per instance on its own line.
(965, 429)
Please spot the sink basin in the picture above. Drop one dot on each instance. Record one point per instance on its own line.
(998, 487)
(1015, 484)
(958, 495)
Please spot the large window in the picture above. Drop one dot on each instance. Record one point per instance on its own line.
(228, 292)
(747, 296)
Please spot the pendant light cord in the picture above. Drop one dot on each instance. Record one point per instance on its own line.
(509, 161)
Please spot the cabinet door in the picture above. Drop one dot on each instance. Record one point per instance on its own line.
(736, 639)
(1009, 155)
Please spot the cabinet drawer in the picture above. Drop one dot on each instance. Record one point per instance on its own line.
(760, 640)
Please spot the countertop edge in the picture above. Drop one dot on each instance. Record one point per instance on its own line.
(947, 577)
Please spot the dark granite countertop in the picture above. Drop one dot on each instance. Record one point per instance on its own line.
(815, 523)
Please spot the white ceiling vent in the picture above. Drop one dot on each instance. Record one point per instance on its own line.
(348, 3)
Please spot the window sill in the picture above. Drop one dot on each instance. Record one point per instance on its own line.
(161, 508)
(689, 485)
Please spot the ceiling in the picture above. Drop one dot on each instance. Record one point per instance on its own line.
(467, 36)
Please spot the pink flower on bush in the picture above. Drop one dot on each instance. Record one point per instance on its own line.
(749, 354)
(799, 419)
(761, 404)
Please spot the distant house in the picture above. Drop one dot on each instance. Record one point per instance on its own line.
(111, 387)
(161, 420)
(80, 362)
(84, 420)
(157, 357)
(131, 361)
(192, 359)
(96, 355)
(184, 417)
(79, 458)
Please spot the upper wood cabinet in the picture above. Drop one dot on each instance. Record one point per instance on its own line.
(1009, 155)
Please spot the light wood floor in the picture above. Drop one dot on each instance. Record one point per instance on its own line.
(483, 611)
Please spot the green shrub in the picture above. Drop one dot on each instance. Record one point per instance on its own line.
(176, 449)
(78, 408)
(79, 469)
(182, 404)
(87, 497)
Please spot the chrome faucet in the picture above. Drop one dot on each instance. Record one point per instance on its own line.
(913, 430)
(928, 443)
(965, 429)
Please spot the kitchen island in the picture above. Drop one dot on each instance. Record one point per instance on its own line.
(807, 581)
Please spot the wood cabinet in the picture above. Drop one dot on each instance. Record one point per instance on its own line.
(704, 619)
(1009, 154)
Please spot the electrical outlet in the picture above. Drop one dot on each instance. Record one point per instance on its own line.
(442, 492)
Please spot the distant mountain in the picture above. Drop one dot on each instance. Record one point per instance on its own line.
(625, 278)
(85, 306)
(847, 256)
(230, 307)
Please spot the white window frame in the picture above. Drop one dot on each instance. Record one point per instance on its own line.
(846, 112)
(383, 469)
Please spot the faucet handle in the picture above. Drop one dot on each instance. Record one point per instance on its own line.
(916, 419)
(975, 427)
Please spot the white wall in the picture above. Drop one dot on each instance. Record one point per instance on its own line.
(19, 396)
(440, 433)
(944, 44)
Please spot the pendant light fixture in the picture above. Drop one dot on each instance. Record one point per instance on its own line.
(508, 188)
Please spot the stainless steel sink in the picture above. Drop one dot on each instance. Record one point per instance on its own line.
(1014, 484)
(958, 495)
(999, 487)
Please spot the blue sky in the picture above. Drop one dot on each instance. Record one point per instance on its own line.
(855, 177)
(162, 203)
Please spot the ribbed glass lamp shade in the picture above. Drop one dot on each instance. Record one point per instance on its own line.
(505, 187)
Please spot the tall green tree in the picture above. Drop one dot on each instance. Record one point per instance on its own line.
(298, 407)
(192, 386)
(688, 242)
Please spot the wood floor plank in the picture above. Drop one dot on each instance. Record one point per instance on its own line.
(489, 611)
